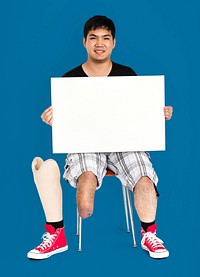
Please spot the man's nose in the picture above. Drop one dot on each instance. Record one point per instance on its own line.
(99, 42)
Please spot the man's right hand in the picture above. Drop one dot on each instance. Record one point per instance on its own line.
(47, 116)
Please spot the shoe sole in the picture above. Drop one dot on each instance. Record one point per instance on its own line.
(157, 255)
(39, 256)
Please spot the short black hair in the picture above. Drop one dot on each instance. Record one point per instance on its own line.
(99, 21)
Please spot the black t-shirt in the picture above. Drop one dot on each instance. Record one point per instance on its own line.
(117, 70)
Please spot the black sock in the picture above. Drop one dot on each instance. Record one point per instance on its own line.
(56, 225)
(145, 225)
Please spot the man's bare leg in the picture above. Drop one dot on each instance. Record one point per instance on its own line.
(86, 187)
(145, 200)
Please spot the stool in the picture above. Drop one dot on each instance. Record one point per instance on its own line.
(128, 213)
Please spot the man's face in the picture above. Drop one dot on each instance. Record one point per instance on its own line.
(99, 44)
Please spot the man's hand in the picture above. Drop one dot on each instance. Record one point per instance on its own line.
(168, 110)
(47, 116)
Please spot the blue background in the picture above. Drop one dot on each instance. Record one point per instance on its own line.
(43, 39)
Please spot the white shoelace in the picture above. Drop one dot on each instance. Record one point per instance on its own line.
(47, 240)
(152, 240)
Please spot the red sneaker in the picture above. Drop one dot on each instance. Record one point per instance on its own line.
(54, 241)
(153, 244)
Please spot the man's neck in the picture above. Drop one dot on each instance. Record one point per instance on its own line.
(95, 69)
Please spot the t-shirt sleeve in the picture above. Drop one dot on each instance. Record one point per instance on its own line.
(132, 72)
(121, 70)
(76, 72)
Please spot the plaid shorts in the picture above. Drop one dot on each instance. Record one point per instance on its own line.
(129, 167)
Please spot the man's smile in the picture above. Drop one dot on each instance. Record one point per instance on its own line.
(99, 51)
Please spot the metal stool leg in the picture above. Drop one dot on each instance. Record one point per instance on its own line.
(79, 230)
(127, 198)
(80, 235)
(125, 208)
(131, 215)
(77, 222)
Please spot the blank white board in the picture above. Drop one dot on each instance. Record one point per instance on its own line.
(108, 114)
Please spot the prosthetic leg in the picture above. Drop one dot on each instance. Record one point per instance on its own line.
(46, 175)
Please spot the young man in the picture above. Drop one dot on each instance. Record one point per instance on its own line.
(85, 171)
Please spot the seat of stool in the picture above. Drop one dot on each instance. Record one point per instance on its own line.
(109, 172)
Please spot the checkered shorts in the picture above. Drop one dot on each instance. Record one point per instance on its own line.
(129, 167)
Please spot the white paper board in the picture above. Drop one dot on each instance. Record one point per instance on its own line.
(108, 114)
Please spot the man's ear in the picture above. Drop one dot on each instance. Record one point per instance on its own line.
(114, 43)
(84, 41)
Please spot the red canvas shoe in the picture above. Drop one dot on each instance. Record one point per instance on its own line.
(54, 241)
(153, 244)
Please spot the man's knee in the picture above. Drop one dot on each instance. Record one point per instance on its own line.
(145, 180)
(144, 184)
(87, 176)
